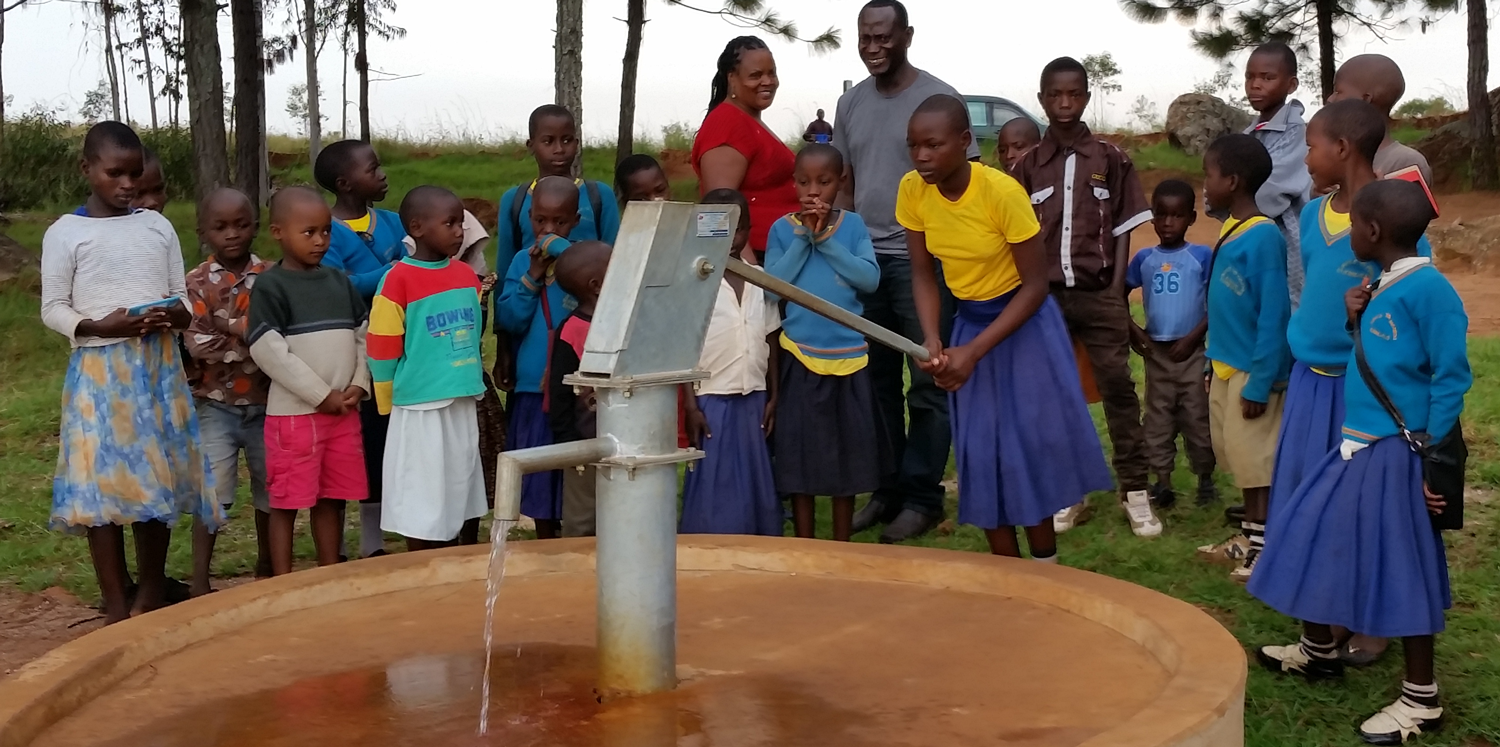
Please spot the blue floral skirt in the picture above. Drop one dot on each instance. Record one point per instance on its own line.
(129, 444)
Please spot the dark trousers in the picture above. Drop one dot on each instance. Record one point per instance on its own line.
(1100, 320)
(916, 417)
(1176, 402)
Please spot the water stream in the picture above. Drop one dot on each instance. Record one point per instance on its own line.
(499, 540)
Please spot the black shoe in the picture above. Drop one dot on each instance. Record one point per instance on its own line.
(874, 512)
(1235, 515)
(908, 525)
(1163, 496)
(377, 554)
(1208, 492)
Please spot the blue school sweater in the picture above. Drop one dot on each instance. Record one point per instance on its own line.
(366, 262)
(836, 265)
(1248, 307)
(1317, 334)
(604, 227)
(1415, 335)
(520, 312)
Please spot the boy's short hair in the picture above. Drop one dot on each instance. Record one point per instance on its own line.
(1064, 65)
(149, 157)
(1175, 188)
(1280, 49)
(110, 134)
(949, 106)
(633, 164)
(822, 150)
(547, 111)
(726, 196)
(1357, 121)
(1026, 123)
(579, 262)
(420, 199)
(334, 162)
(1243, 156)
(1400, 207)
(902, 20)
(295, 193)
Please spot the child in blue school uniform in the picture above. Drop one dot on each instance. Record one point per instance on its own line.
(1025, 444)
(829, 440)
(1354, 546)
(365, 242)
(730, 416)
(531, 307)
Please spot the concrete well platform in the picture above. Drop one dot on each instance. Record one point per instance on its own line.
(781, 643)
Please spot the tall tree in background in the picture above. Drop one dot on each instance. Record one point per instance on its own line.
(367, 17)
(567, 65)
(1483, 170)
(119, 50)
(205, 93)
(310, 57)
(1234, 25)
(744, 13)
(107, 9)
(249, 96)
(4, 8)
(145, 44)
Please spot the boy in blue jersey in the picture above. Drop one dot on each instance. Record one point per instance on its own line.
(1248, 308)
(531, 306)
(1173, 278)
(364, 242)
(1355, 546)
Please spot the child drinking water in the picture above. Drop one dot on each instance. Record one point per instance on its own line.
(307, 332)
(425, 364)
(580, 273)
(733, 489)
(639, 178)
(530, 308)
(830, 440)
(1354, 546)
(112, 283)
(1025, 444)
(229, 390)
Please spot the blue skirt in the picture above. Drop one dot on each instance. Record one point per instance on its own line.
(732, 490)
(1025, 443)
(541, 492)
(1355, 547)
(1312, 425)
(129, 445)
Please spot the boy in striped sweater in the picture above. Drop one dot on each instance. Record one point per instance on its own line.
(425, 363)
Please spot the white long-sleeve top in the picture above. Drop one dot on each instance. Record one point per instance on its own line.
(92, 266)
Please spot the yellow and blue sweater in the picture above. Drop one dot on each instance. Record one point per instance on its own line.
(530, 311)
(837, 264)
(423, 342)
(1248, 307)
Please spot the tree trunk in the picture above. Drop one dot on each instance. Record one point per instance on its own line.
(140, 15)
(1485, 174)
(249, 85)
(124, 73)
(1327, 44)
(362, 67)
(176, 93)
(568, 64)
(205, 94)
(635, 27)
(314, 117)
(2, 80)
(108, 8)
(344, 89)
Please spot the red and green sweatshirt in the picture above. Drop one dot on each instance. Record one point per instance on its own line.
(424, 334)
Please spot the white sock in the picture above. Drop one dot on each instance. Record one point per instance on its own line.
(370, 538)
(1050, 560)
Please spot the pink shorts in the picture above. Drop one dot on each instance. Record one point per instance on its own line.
(314, 456)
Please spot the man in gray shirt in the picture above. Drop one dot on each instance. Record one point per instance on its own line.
(870, 130)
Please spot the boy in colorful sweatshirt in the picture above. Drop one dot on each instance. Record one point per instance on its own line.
(425, 364)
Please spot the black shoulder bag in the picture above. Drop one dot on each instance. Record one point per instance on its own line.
(1442, 462)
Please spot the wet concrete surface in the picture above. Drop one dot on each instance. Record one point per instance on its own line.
(765, 659)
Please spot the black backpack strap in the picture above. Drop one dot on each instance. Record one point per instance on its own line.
(515, 218)
(596, 203)
(1377, 389)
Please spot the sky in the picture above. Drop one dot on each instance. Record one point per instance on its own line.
(478, 67)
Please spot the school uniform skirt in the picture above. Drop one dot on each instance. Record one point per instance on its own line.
(129, 445)
(1024, 441)
(433, 478)
(829, 439)
(1312, 424)
(541, 492)
(732, 489)
(1355, 546)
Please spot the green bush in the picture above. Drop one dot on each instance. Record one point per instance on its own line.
(39, 162)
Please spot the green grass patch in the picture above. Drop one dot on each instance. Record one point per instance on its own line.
(1166, 157)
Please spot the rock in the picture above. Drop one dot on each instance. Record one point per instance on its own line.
(59, 595)
(1196, 119)
(14, 259)
(487, 211)
(1448, 150)
(1467, 245)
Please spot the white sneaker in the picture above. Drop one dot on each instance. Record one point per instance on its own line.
(1143, 519)
(1400, 721)
(1070, 517)
(1244, 570)
(1232, 550)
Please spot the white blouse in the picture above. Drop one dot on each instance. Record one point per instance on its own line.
(93, 266)
(735, 351)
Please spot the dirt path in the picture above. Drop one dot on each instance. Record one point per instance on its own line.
(33, 624)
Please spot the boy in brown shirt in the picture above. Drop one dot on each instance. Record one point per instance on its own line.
(1088, 199)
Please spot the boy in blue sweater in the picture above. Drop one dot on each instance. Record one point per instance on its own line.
(364, 242)
(1355, 547)
(1270, 80)
(828, 437)
(1248, 308)
(532, 305)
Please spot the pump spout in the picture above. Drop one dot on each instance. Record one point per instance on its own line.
(516, 464)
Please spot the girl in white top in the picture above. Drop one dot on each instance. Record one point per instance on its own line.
(732, 491)
(113, 284)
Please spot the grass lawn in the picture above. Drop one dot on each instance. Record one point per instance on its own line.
(1279, 712)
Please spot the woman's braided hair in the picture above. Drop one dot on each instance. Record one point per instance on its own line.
(729, 59)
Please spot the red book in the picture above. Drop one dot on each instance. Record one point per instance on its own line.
(1414, 175)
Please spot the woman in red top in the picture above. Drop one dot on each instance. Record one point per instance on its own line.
(735, 149)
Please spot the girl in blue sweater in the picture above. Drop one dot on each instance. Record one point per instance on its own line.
(1355, 546)
(828, 439)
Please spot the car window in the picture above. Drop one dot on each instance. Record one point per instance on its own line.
(1002, 113)
(979, 114)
